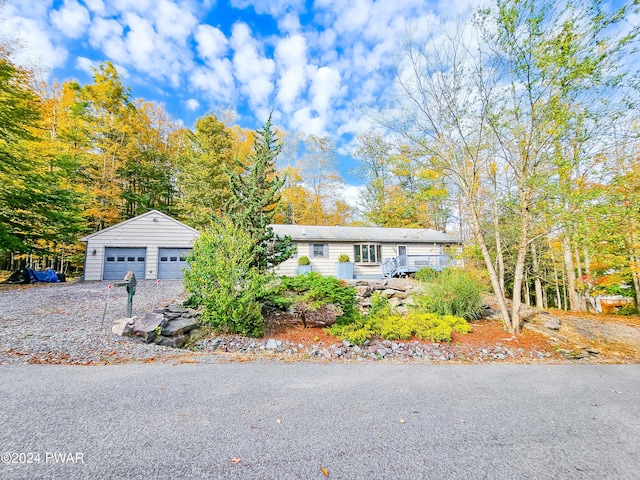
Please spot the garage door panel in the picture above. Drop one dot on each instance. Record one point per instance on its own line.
(172, 261)
(118, 261)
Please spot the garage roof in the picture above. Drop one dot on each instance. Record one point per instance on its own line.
(151, 213)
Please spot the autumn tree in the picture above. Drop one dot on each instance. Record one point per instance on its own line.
(401, 190)
(312, 194)
(206, 155)
(499, 87)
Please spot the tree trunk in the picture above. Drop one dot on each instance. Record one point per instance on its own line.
(536, 276)
(574, 299)
(636, 280)
(493, 276)
(499, 256)
(518, 276)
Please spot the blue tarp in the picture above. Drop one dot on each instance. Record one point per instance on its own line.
(48, 276)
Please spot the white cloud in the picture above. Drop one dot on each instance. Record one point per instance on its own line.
(173, 21)
(37, 49)
(192, 104)
(289, 23)
(85, 64)
(351, 194)
(106, 34)
(72, 19)
(324, 87)
(304, 120)
(254, 71)
(96, 6)
(291, 57)
(275, 8)
(215, 80)
(210, 42)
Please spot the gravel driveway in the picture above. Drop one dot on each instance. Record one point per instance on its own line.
(63, 323)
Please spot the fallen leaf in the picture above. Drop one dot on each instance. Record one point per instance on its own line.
(401, 420)
(235, 460)
(325, 471)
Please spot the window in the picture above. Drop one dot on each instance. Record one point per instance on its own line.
(121, 259)
(319, 250)
(141, 259)
(367, 253)
(131, 259)
(173, 259)
(110, 259)
(163, 259)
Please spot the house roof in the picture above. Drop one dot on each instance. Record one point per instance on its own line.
(155, 213)
(363, 234)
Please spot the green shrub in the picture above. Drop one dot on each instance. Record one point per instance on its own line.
(627, 311)
(223, 279)
(315, 291)
(343, 258)
(304, 260)
(426, 274)
(452, 292)
(425, 326)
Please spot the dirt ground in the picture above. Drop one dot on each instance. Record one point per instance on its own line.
(616, 338)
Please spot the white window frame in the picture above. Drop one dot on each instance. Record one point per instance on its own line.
(361, 258)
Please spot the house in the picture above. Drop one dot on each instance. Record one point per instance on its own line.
(374, 252)
(152, 245)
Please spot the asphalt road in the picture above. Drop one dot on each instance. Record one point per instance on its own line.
(287, 421)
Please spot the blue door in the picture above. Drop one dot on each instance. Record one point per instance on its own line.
(171, 262)
(118, 261)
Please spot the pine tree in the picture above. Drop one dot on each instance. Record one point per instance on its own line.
(255, 197)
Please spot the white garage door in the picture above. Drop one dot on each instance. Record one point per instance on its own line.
(118, 261)
(171, 261)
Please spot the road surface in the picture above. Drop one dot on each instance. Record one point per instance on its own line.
(289, 421)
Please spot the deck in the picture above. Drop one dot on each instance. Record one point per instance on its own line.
(406, 264)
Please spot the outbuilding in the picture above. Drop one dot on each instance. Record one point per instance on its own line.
(152, 245)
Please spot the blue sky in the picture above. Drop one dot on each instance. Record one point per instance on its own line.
(313, 63)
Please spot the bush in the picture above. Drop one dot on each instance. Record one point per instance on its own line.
(343, 258)
(425, 326)
(304, 260)
(314, 291)
(452, 292)
(224, 280)
(426, 274)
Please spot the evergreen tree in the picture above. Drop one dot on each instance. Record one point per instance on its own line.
(255, 197)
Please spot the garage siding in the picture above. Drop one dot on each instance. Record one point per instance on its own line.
(151, 231)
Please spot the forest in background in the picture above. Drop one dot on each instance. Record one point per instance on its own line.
(523, 140)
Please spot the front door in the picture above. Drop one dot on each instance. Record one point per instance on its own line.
(402, 255)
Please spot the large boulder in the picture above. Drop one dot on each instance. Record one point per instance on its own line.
(148, 325)
(180, 326)
(124, 326)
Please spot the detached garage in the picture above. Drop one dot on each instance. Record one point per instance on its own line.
(152, 245)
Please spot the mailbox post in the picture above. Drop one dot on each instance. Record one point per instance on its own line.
(130, 282)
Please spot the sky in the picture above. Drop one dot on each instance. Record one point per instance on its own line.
(314, 64)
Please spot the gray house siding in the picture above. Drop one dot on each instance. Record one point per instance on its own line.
(341, 240)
